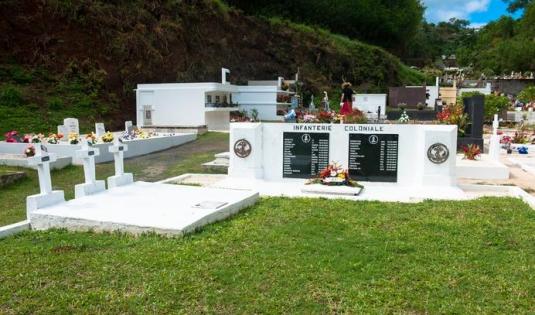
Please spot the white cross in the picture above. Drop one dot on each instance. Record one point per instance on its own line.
(118, 150)
(42, 160)
(87, 155)
(495, 125)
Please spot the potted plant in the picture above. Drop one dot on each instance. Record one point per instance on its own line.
(420, 106)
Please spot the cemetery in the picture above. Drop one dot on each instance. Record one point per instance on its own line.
(68, 140)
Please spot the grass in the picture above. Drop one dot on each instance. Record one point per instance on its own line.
(283, 255)
(185, 159)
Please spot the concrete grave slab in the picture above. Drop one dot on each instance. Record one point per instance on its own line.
(145, 207)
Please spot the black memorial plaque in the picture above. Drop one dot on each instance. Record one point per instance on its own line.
(304, 154)
(373, 157)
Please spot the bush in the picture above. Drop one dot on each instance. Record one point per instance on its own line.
(494, 104)
(11, 96)
(527, 95)
(55, 103)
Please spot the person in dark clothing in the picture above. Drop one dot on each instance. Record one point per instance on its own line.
(347, 99)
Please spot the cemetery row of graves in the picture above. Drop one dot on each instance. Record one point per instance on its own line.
(374, 207)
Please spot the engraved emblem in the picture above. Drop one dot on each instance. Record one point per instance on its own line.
(306, 138)
(242, 148)
(438, 153)
(373, 139)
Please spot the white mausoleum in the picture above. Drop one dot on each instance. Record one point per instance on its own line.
(197, 105)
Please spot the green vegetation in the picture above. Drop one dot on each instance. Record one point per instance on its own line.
(494, 104)
(154, 167)
(36, 101)
(390, 24)
(95, 52)
(309, 256)
(527, 95)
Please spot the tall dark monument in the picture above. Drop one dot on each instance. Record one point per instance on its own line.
(474, 106)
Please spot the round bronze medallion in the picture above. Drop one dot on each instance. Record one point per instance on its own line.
(242, 148)
(438, 153)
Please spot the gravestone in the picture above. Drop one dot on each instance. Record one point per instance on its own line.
(304, 154)
(120, 178)
(91, 186)
(99, 130)
(72, 126)
(373, 157)
(475, 108)
(128, 127)
(63, 130)
(47, 196)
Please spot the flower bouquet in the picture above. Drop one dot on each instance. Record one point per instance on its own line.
(107, 137)
(404, 117)
(334, 175)
(471, 152)
(12, 136)
(38, 138)
(91, 138)
(52, 138)
(29, 151)
(73, 138)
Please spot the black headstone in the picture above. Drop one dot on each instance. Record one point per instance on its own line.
(304, 154)
(373, 157)
(474, 106)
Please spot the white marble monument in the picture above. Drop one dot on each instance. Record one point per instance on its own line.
(71, 125)
(120, 178)
(100, 130)
(47, 196)
(91, 185)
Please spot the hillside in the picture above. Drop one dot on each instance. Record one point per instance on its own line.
(83, 58)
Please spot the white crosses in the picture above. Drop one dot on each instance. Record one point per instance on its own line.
(495, 125)
(494, 147)
(118, 150)
(87, 155)
(91, 185)
(120, 177)
(42, 160)
(47, 196)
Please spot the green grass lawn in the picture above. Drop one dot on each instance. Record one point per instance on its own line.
(187, 158)
(289, 256)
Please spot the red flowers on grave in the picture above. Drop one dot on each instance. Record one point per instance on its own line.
(11, 136)
(334, 175)
(471, 152)
(29, 151)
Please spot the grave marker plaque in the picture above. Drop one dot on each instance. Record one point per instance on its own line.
(373, 157)
(304, 154)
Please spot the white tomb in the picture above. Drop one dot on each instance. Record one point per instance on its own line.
(370, 104)
(47, 196)
(405, 155)
(120, 178)
(195, 105)
(91, 185)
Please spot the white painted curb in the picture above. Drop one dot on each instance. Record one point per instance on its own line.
(15, 228)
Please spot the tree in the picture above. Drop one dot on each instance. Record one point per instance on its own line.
(387, 23)
(527, 95)
(515, 5)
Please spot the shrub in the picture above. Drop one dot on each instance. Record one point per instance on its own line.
(494, 104)
(11, 96)
(527, 95)
(55, 103)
